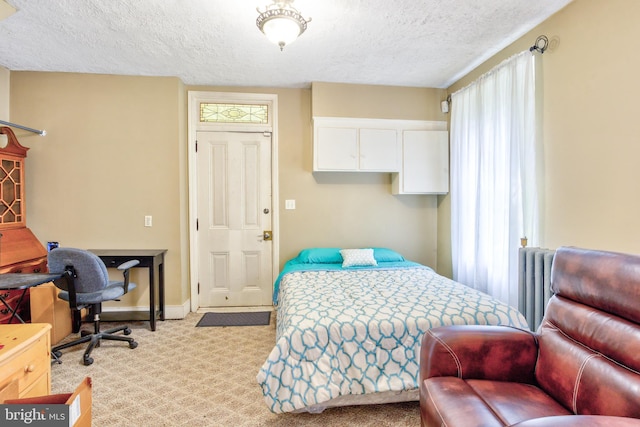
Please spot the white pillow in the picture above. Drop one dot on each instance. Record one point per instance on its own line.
(357, 258)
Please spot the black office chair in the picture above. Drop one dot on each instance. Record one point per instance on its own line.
(85, 284)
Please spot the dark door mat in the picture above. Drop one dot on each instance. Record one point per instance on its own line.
(251, 318)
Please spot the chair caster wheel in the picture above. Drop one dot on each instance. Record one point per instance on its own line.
(84, 333)
(127, 331)
(133, 344)
(87, 360)
(57, 354)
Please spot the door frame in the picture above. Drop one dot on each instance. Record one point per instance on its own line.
(194, 125)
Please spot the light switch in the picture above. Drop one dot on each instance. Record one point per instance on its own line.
(148, 220)
(289, 204)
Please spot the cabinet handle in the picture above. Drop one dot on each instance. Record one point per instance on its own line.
(30, 368)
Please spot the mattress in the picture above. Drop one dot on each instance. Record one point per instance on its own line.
(354, 332)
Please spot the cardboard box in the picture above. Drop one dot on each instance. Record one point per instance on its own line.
(68, 409)
(46, 307)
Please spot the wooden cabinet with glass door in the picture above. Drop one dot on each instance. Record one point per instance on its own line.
(20, 250)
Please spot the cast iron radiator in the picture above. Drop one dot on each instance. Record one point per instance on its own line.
(534, 283)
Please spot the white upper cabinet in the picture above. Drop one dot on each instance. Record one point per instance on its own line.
(416, 152)
(355, 145)
(425, 163)
(335, 149)
(379, 150)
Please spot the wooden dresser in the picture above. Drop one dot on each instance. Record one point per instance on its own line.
(25, 360)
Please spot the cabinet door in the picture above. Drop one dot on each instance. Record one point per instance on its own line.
(336, 149)
(425, 157)
(379, 150)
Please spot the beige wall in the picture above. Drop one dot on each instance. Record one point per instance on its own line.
(358, 209)
(114, 152)
(4, 93)
(379, 102)
(591, 127)
(348, 209)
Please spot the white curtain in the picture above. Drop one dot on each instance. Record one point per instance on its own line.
(494, 199)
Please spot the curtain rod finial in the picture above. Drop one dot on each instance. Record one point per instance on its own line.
(541, 44)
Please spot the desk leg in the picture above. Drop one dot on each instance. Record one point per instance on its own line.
(161, 288)
(152, 297)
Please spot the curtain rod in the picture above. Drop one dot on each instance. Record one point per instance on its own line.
(39, 132)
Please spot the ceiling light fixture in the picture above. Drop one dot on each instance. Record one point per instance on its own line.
(281, 22)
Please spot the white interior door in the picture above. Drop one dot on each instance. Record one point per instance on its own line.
(234, 216)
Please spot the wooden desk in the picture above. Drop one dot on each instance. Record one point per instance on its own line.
(25, 359)
(153, 259)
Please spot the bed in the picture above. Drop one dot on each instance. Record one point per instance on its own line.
(350, 323)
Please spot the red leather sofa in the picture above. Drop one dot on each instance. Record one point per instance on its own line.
(581, 368)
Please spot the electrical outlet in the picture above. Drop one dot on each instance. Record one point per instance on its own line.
(289, 204)
(148, 220)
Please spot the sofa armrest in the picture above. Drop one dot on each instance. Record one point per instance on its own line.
(498, 353)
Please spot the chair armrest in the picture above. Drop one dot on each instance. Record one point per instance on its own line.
(124, 267)
(67, 283)
(129, 264)
(498, 353)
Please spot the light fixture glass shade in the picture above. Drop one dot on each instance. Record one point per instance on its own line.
(281, 22)
(281, 30)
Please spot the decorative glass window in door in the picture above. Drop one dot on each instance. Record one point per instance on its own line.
(234, 113)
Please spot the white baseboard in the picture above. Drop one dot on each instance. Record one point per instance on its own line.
(171, 311)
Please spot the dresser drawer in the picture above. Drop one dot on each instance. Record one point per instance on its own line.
(38, 387)
(28, 362)
(29, 365)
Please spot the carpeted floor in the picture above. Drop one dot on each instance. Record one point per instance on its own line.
(181, 375)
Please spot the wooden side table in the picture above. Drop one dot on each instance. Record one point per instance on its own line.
(153, 259)
(25, 358)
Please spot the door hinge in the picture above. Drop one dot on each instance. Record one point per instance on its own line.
(196, 145)
(198, 288)
(197, 224)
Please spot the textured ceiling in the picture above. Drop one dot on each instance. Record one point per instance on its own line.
(421, 43)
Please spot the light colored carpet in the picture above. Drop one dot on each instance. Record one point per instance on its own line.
(181, 375)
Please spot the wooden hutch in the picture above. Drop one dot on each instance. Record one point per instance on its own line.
(20, 250)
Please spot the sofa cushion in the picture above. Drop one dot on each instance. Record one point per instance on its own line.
(454, 401)
(515, 402)
(606, 281)
(588, 360)
(580, 421)
(451, 401)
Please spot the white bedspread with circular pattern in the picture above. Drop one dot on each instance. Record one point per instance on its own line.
(359, 331)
